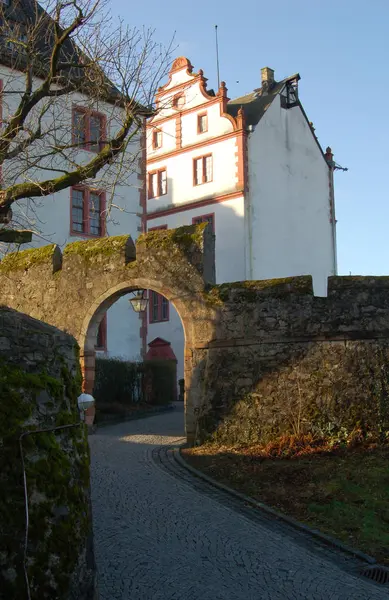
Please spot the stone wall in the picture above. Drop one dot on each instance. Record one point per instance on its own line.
(262, 358)
(40, 381)
(285, 362)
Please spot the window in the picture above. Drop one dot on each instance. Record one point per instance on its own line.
(158, 307)
(179, 102)
(157, 228)
(202, 123)
(202, 170)
(205, 219)
(88, 129)
(101, 342)
(157, 183)
(157, 139)
(13, 34)
(87, 212)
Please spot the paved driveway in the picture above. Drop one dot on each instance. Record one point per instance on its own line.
(161, 534)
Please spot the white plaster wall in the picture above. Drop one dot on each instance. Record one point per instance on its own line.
(168, 129)
(50, 217)
(289, 196)
(217, 125)
(229, 232)
(180, 175)
(191, 92)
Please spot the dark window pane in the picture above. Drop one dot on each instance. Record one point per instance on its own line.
(77, 211)
(77, 198)
(94, 214)
(96, 132)
(79, 124)
(101, 333)
(77, 215)
(165, 309)
(94, 202)
(154, 306)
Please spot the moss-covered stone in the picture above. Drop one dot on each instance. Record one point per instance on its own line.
(57, 472)
(248, 290)
(89, 249)
(183, 237)
(27, 258)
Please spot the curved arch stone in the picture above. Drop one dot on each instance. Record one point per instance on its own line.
(72, 291)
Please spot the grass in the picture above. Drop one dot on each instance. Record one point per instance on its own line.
(342, 492)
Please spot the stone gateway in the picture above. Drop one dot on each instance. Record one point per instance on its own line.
(262, 358)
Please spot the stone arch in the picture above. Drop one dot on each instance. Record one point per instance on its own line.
(72, 290)
(96, 311)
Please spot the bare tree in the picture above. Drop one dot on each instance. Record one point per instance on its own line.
(71, 54)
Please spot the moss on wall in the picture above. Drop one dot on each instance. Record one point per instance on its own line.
(26, 258)
(248, 290)
(183, 237)
(89, 249)
(57, 470)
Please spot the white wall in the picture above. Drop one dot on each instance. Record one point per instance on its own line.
(229, 232)
(289, 197)
(179, 168)
(50, 217)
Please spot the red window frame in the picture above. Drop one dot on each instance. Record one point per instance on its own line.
(157, 172)
(86, 192)
(157, 228)
(158, 301)
(205, 219)
(157, 137)
(87, 114)
(102, 335)
(204, 167)
(201, 116)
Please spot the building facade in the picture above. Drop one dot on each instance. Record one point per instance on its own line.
(254, 169)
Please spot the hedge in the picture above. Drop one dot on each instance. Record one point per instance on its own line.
(120, 384)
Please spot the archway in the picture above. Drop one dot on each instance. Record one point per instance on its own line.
(93, 318)
(73, 289)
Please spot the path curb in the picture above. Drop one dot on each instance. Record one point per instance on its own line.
(323, 537)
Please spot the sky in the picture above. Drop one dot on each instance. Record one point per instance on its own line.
(341, 50)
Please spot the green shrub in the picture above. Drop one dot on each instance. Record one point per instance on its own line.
(160, 381)
(118, 382)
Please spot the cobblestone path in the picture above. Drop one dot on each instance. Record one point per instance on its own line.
(162, 534)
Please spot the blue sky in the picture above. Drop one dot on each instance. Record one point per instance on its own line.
(341, 50)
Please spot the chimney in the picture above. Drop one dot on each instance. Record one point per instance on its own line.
(267, 78)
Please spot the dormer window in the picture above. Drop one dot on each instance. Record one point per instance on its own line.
(179, 102)
(289, 95)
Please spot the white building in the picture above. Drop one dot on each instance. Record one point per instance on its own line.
(254, 168)
(81, 212)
